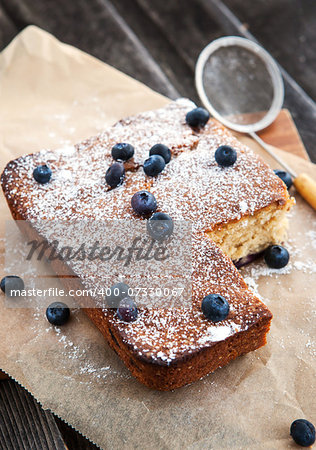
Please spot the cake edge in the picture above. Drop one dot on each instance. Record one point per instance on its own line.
(193, 366)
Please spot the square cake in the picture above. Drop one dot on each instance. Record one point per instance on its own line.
(235, 212)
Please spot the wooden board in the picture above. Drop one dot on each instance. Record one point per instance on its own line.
(282, 133)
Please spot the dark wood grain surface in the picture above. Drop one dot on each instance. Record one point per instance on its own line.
(23, 423)
(158, 42)
(288, 30)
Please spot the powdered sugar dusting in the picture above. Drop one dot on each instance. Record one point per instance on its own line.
(210, 195)
(206, 194)
(90, 366)
(192, 187)
(166, 334)
(215, 334)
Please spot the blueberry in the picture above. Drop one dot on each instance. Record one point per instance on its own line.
(198, 117)
(58, 313)
(285, 177)
(215, 307)
(247, 259)
(115, 174)
(276, 256)
(12, 285)
(122, 151)
(303, 432)
(127, 310)
(42, 174)
(160, 226)
(144, 203)
(161, 150)
(117, 292)
(154, 165)
(225, 156)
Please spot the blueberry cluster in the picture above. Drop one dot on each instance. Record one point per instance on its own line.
(159, 224)
(159, 156)
(144, 203)
(57, 313)
(115, 174)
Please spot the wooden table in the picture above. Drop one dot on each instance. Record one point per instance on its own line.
(158, 42)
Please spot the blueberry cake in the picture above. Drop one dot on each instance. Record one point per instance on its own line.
(177, 163)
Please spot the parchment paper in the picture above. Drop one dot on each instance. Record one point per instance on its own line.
(51, 94)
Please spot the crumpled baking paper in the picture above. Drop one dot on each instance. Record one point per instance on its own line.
(52, 94)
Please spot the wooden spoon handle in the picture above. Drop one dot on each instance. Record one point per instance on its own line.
(306, 186)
